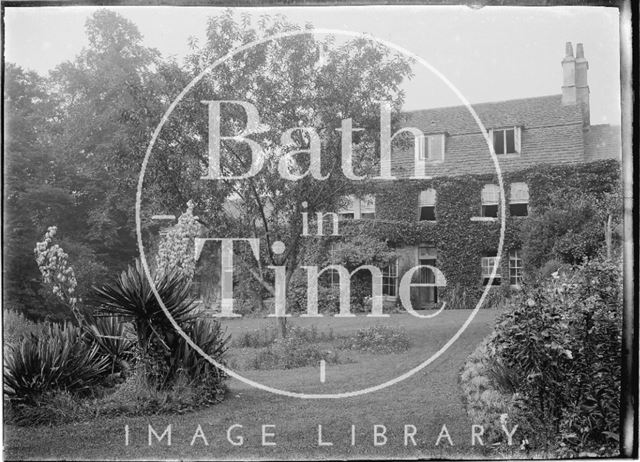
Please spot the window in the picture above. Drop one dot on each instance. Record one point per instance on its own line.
(490, 199)
(515, 268)
(333, 276)
(506, 140)
(348, 211)
(368, 207)
(519, 200)
(427, 205)
(358, 208)
(488, 264)
(430, 148)
(390, 279)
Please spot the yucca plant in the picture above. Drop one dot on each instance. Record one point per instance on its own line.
(209, 336)
(62, 358)
(162, 350)
(130, 296)
(115, 338)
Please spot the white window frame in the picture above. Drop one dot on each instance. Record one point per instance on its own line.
(487, 264)
(423, 148)
(519, 194)
(427, 198)
(517, 140)
(515, 267)
(490, 195)
(357, 207)
(390, 272)
(368, 205)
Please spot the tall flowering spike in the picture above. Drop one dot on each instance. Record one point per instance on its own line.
(176, 246)
(56, 271)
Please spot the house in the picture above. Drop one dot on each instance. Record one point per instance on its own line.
(450, 218)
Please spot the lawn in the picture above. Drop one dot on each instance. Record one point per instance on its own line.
(428, 400)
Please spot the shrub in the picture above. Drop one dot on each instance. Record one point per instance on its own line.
(489, 401)
(378, 339)
(561, 342)
(265, 336)
(291, 352)
(161, 349)
(60, 359)
(17, 326)
(189, 365)
(298, 349)
(258, 338)
(115, 339)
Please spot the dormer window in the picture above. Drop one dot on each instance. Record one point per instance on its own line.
(430, 148)
(506, 140)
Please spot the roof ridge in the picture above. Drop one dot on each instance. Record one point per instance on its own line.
(487, 103)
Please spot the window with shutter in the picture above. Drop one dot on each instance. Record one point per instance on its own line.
(427, 205)
(490, 200)
(519, 200)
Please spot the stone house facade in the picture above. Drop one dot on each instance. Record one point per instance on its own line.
(447, 183)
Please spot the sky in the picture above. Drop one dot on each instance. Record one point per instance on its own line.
(488, 54)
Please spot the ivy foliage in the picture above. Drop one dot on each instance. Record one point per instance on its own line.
(461, 242)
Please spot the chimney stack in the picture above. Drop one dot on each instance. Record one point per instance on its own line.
(575, 89)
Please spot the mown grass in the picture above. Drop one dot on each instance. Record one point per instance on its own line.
(429, 399)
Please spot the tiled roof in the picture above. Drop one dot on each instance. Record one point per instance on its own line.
(551, 133)
(602, 142)
(529, 112)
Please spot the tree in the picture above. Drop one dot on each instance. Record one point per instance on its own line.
(572, 226)
(298, 81)
(110, 106)
(75, 141)
(33, 198)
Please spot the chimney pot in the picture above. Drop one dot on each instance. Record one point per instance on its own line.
(579, 51)
(568, 50)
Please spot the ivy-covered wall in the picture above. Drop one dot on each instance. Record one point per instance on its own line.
(461, 242)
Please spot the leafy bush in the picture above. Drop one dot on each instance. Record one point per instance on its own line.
(490, 402)
(60, 359)
(378, 339)
(133, 397)
(292, 352)
(17, 326)
(265, 336)
(570, 225)
(258, 338)
(299, 349)
(561, 342)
